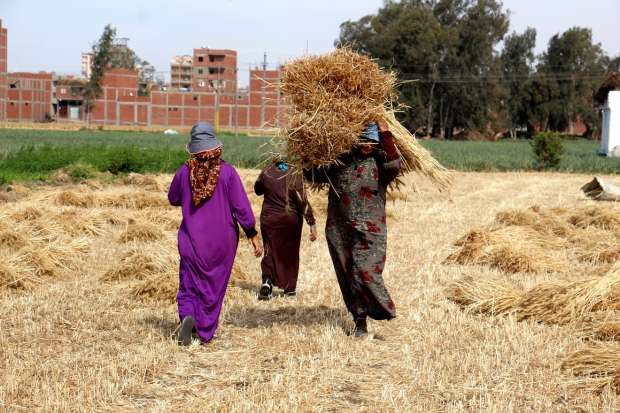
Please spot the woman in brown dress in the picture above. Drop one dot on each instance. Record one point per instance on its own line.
(281, 221)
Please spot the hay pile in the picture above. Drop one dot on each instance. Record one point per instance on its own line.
(142, 261)
(144, 181)
(164, 286)
(552, 302)
(130, 199)
(34, 246)
(141, 232)
(334, 96)
(597, 366)
(538, 240)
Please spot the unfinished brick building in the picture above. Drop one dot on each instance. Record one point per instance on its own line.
(120, 104)
(214, 70)
(29, 97)
(181, 72)
(208, 93)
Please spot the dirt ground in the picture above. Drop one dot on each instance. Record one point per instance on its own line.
(80, 341)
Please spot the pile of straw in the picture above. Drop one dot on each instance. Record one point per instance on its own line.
(37, 248)
(141, 232)
(334, 97)
(164, 286)
(538, 240)
(85, 198)
(597, 366)
(511, 249)
(551, 302)
(139, 263)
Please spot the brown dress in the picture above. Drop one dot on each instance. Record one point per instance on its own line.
(281, 221)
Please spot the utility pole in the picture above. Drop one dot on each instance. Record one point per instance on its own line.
(262, 91)
(217, 101)
(236, 103)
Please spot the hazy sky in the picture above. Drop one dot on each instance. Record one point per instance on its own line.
(50, 35)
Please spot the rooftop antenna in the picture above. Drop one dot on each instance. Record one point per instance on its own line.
(265, 62)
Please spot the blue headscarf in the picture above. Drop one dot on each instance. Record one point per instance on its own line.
(371, 133)
(282, 166)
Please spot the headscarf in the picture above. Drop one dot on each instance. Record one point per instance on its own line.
(204, 172)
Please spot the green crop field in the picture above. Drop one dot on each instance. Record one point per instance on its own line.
(34, 154)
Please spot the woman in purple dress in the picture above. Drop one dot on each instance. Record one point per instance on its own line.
(214, 203)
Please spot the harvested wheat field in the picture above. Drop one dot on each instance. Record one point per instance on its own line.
(87, 312)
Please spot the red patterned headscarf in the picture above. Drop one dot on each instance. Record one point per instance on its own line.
(204, 172)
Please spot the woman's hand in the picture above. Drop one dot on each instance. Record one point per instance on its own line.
(313, 233)
(383, 126)
(256, 244)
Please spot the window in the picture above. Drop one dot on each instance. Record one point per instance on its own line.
(216, 70)
(200, 71)
(201, 83)
(195, 97)
(216, 58)
(13, 85)
(63, 90)
(201, 58)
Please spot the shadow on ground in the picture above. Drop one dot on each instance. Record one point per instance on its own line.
(165, 326)
(252, 317)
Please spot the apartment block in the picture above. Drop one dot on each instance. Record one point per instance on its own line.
(214, 70)
(181, 68)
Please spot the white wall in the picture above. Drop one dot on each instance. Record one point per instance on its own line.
(610, 133)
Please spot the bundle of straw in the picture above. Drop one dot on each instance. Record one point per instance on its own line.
(596, 366)
(334, 97)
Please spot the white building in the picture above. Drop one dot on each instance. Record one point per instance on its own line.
(610, 134)
(87, 63)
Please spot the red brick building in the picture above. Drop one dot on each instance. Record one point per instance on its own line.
(212, 96)
(181, 72)
(259, 106)
(3, 72)
(29, 97)
(214, 70)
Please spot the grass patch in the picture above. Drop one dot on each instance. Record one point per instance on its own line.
(34, 154)
(579, 156)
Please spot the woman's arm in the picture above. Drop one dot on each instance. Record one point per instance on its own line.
(391, 166)
(240, 205)
(175, 193)
(259, 185)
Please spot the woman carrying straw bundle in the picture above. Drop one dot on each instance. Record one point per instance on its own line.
(281, 221)
(213, 202)
(356, 227)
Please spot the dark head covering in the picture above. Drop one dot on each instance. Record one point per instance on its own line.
(202, 138)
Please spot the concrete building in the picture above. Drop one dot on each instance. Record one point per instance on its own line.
(610, 134)
(3, 72)
(87, 65)
(181, 72)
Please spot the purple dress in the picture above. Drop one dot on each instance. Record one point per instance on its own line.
(208, 239)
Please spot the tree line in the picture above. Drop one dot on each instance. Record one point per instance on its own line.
(461, 71)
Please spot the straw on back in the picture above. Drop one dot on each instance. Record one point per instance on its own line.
(334, 97)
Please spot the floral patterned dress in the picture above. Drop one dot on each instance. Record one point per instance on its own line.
(356, 230)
